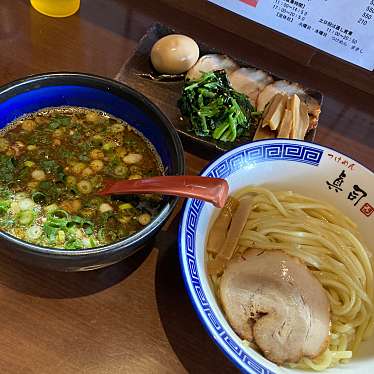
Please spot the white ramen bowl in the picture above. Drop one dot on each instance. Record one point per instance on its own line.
(305, 168)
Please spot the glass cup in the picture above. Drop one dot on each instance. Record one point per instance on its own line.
(56, 8)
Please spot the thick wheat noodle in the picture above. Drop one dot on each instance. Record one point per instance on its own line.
(269, 194)
(334, 297)
(355, 263)
(328, 243)
(350, 261)
(323, 214)
(370, 328)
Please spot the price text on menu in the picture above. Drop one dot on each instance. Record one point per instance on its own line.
(343, 28)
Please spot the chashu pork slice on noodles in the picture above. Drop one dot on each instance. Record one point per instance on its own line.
(274, 301)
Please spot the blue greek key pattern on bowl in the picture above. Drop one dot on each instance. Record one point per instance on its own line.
(267, 152)
(236, 160)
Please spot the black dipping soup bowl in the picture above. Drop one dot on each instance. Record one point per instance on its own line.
(74, 89)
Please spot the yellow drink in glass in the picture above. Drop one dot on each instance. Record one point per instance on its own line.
(56, 8)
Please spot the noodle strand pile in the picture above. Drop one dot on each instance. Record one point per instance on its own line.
(330, 246)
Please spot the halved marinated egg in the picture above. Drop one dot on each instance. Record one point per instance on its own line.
(174, 54)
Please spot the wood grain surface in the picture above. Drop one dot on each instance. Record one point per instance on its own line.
(134, 317)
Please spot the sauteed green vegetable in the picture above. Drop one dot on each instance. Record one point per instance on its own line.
(51, 165)
(215, 109)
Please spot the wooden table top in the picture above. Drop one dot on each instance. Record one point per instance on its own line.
(133, 317)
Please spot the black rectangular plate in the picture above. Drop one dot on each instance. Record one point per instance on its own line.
(166, 94)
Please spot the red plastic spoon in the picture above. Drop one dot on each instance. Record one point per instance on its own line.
(213, 190)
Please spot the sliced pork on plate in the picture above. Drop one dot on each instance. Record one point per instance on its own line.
(211, 62)
(278, 87)
(250, 82)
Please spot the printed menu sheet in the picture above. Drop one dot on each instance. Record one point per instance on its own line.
(343, 28)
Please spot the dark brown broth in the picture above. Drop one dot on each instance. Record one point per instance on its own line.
(52, 163)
